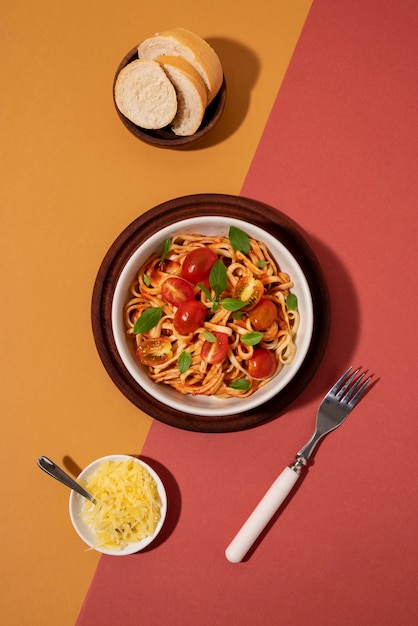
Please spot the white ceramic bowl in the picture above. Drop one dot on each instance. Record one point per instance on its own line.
(211, 405)
(86, 532)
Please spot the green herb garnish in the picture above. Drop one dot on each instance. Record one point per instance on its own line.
(205, 291)
(251, 339)
(262, 264)
(239, 240)
(209, 336)
(218, 282)
(217, 278)
(291, 302)
(184, 361)
(232, 304)
(166, 248)
(242, 383)
(149, 318)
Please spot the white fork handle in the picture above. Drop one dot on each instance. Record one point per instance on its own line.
(261, 515)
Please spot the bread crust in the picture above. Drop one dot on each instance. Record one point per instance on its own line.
(191, 47)
(191, 94)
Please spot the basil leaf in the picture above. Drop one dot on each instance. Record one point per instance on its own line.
(217, 278)
(147, 280)
(291, 302)
(251, 339)
(261, 264)
(167, 244)
(149, 318)
(184, 361)
(209, 336)
(239, 240)
(205, 291)
(238, 315)
(231, 304)
(242, 384)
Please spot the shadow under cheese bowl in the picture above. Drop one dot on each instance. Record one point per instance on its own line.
(131, 507)
(165, 137)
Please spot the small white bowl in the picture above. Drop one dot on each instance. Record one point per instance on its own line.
(211, 406)
(86, 532)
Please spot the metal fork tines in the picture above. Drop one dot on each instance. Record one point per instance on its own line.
(334, 408)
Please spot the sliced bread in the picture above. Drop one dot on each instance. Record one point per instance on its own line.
(183, 43)
(145, 95)
(191, 94)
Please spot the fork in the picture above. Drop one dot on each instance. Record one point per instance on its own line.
(334, 408)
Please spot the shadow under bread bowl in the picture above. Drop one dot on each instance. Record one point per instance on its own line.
(165, 137)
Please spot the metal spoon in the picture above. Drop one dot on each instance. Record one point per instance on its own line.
(56, 472)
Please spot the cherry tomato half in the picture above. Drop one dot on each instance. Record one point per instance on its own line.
(262, 364)
(197, 264)
(176, 290)
(215, 351)
(152, 352)
(189, 316)
(263, 314)
(249, 289)
(158, 276)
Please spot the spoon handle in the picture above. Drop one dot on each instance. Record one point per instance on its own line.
(56, 472)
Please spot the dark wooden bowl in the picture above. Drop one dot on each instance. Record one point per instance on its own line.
(164, 137)
(257, 213)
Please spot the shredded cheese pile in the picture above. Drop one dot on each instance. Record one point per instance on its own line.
(127, 505)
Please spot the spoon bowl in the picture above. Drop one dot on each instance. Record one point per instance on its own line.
(50, 468)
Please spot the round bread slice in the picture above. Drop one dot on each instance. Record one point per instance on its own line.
(145, 95)
(183, 43)
(191, 94)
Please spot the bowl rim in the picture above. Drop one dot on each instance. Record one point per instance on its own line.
(211, 406)
(164, 137)
(86, 533)
(140, 229)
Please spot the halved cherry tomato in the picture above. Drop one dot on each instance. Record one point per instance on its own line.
(152, 352)
(197, 264)
(215, 351)
(189, 316)
(158, 275)
(176, 290)
(262, 364)
(249, 289)
(263, 314)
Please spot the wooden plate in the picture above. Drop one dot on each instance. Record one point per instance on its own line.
(164, 137)
(259, 214)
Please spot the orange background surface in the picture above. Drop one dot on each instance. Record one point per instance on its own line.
(72, 179)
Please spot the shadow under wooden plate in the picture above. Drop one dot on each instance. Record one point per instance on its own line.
(257, 213)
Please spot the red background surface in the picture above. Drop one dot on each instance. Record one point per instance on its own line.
(339, 156)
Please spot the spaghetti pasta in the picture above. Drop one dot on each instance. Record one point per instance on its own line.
(209, 317)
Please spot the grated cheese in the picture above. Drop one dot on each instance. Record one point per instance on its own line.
(127, 505)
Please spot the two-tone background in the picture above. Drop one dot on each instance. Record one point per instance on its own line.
(321, 124)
